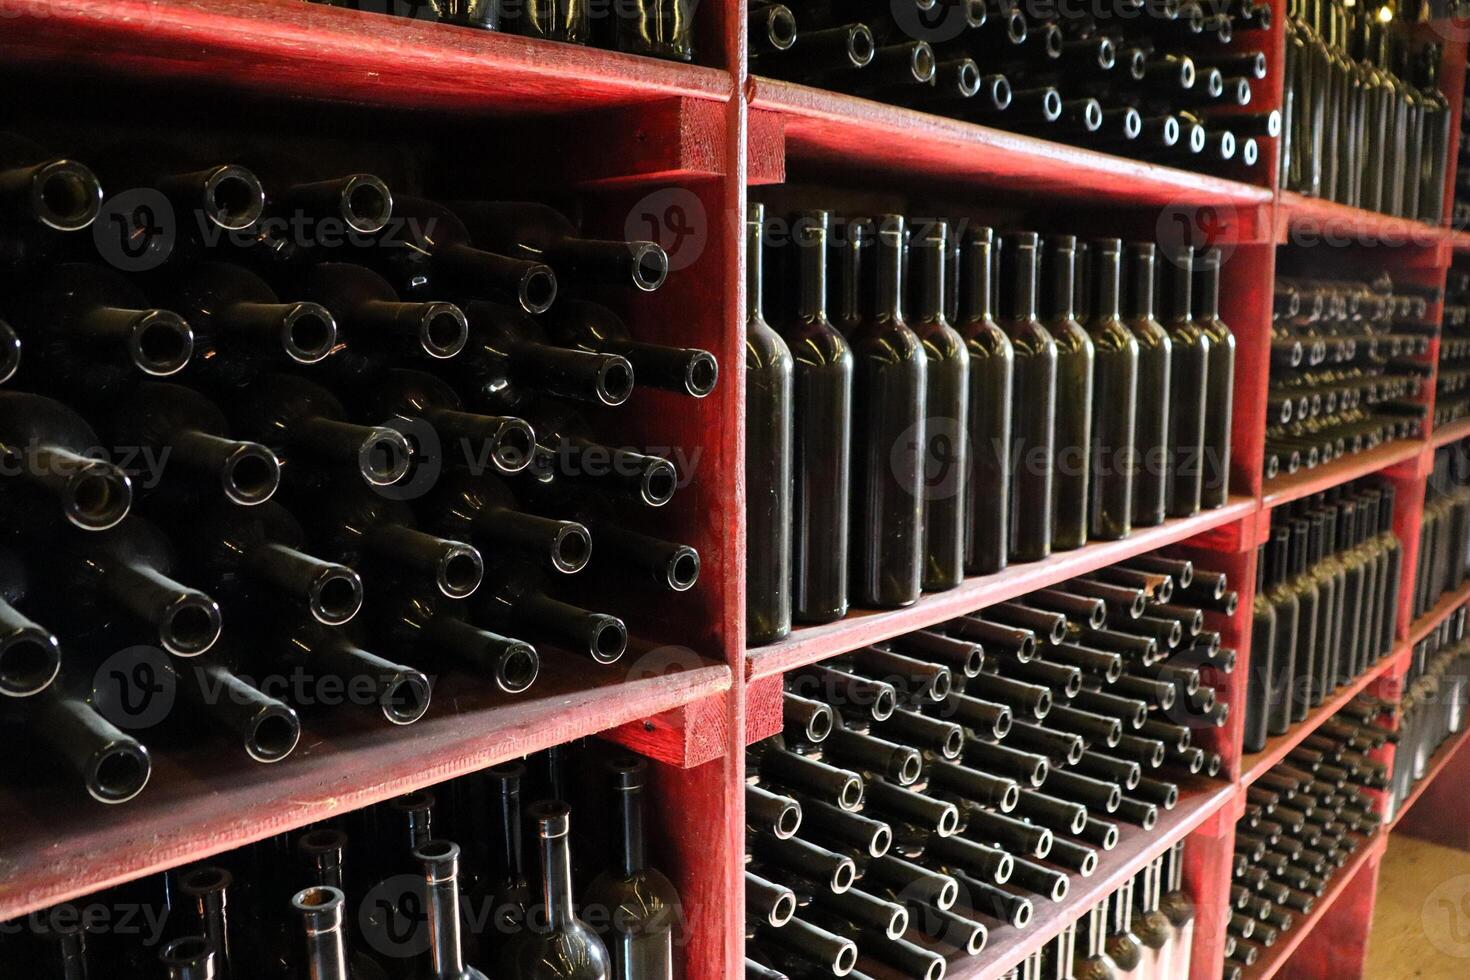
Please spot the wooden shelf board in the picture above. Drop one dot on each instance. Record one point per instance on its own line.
(1451, 432)
(861, 627)
(1305, 482)
(1446, 604)
(299, 50)
(1297, 214)
(825, 127)
(1254, 764)
(1437, 762)
(1277, 956)
(1460, 240)
(206, 798)
(1199, 800)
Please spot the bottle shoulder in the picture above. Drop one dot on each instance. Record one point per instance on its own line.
(941, 341)
(1112, 336)
(1070, 337)
(1029, 338)
(1149, 333)
(764, 348)
(887, 340)
(815, 341)
(985, 338)
(1218, 332)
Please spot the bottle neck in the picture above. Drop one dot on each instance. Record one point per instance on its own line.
(1178, 273)
(888, 304)
(1063, 282)
(811, 272)
(1260, 569)
(754, 249)
(509, 814)
(1105, 300)
(556, 877)
(928, 270)
(976, 282)
(1209, 288)
(1280, 539)
(1141, 285)
(1019, 264)
(634, 855)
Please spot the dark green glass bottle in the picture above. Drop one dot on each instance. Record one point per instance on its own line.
(1075, 366)
(821, 431)
(769, 381)
(1188, 379)
(1114, 394)
(1220, 389)
(890, 372)
(1034, 399)
(988, 425)
(946, 445)
(1151, 418)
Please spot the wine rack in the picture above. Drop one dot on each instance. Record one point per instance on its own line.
(678, 147)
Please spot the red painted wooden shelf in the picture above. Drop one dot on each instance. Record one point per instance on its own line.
(864, 626)
(1276, 956)
(1198, 800)
(1446, 604)
(1437, 762)
(1305, 482)
(1309, 220)
(830, 128)
(1450, 432)
(58, 846)
(1254, 764)
(1460, 240)
(297, 49)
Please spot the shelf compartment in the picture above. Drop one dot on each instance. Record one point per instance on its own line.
(1442, 607)
(1437, 762)
(831, 128)
(324, 53)
(861, 627)
(1254, 764)
(1298, 215)
(1277, 956)
(1305, 482)
(59, 847)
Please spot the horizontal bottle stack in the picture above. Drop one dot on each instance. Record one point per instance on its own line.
(1364, 121)
(1326, 603)
(1347, 369)
(1444, 560)
(933, 789)
(434, 884)
(1452, 393)
(1303, 820)
(261, 460)
(656, 28)
(1433, 704)
(1170, 83)
(909, 438)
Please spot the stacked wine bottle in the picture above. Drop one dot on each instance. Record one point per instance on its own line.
(1452, 394)
(407, 417)
(1444, 559)
(1326, 608)
(1365, 121)
(1347, 369)
(929, 790)
(894, 449)
(656, 28)
(1304, 819)
(1163, 82)
(1433, 705)
(431, 884)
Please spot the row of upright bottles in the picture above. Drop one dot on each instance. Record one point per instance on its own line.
(1169, 83)
(1304, 819)
(1326, 606)
(656, 28)
(461, 881)
(1364, 120)
(1444, 532)
(1460, 197)
(937, 791)
(363, 463)
(1452, 382)
(1433, 704)
(947, 403)
(1348, 368)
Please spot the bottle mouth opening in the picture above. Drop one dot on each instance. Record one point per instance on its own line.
(851, 794)
(935, 970)
(1273, 128)
(274, 734)
(898, 923)
(780, 27)
(191, 626)
(1027, 648)
(883, 704)
(860, 46)
(1114, 671)
(320, 898)
(1110, 837)
(1051, 38)
(66, 195)
(405, 698)
(1224, 31)
(843, 875)
(321, 840)
(1002, 725)
(954, 743)
(1150, 817)
(517, 669)
(1098, 617)
(571, 548)
(1170, 134)
(909, 769)
(251, 474)
(537, 289)
(1074, 684)
(444, 331)
(1043, 843)
(308, 333)
(940, 686)
(1010, 797)
(949, 821)
(1000, 92)
(1038, 774)
(1074, 752)
(819, 725)
(1043, 704)
(788, 821)
(609, 640)
(202, 881)
(119, 773)
(782, 910)
(700, 375)
(1058, 630)
(846, 958)
(1115, 734)
(1004, 868)
(948, 894)
(98, 496)
(881, 842)
(614, 381)
(336, 596)
(659, 483)
(384, 457)
(190, 950)
(233, 198)
(1227, 145)
(1016, 28)
(969, 80)
(1165, 590)
(1107, 55)
(650, 261)
(460, 572)
(1214, 83)
(1176, 633)
(367, 204)
(1132, 124)
(160, 343)
(29, 662)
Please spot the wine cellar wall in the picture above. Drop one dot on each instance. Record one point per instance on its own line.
(651, 268)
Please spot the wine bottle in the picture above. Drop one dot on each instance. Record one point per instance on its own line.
(45, 195)
(682, 370)
(1215, 483)
(946, 452)
(1189, 379)
(769, 400)
(30, 654)
(302, 644)
(112, 767)
(189, 958)
(513, 598)
(51, 451)
(1034, 399)
(440, 862)
(499, 443)
(430, 630)
(1076, 366)
(1115, 397)
(570, 461)
(320, 908)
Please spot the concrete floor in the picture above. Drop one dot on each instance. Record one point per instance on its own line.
(1421, 919)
